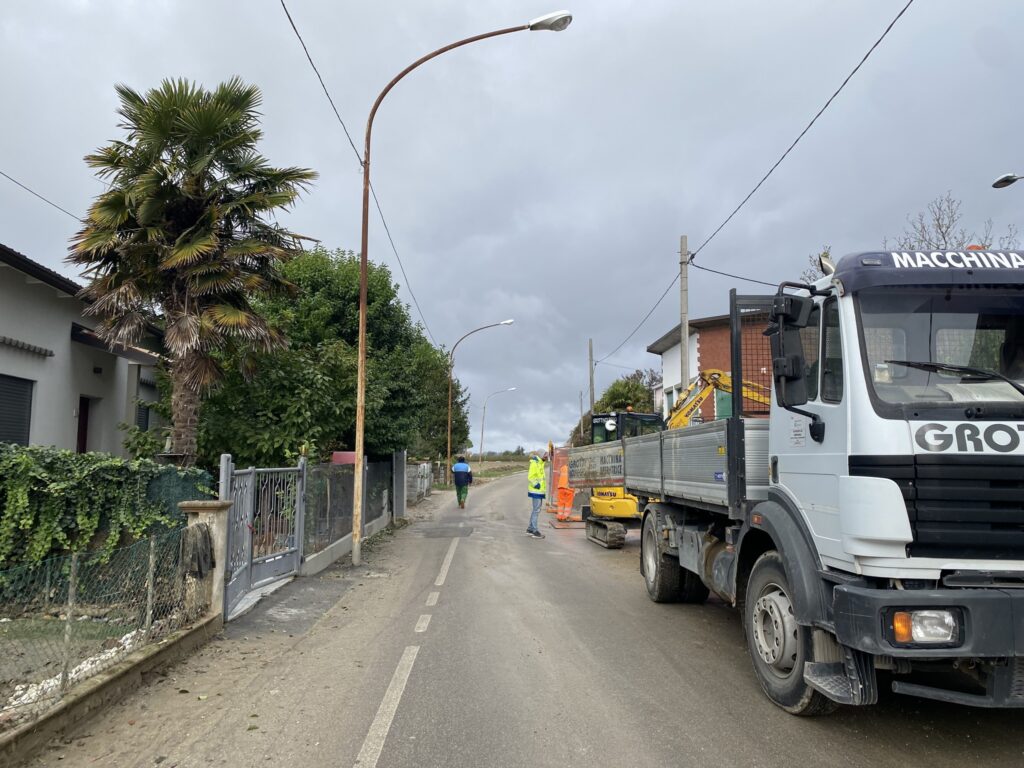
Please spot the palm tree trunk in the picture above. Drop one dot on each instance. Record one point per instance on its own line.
(185, 402)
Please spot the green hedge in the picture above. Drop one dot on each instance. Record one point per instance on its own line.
(53, 502)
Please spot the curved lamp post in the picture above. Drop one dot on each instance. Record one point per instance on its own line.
(451, 378)
(483, 418)
(554, 22)
(1006, 180)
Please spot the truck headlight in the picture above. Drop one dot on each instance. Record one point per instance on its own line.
(926, 627)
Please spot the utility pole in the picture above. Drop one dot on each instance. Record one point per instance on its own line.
(684, 319)
(591, 348)
(581, 414)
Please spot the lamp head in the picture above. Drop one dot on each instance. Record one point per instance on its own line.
(554, 22)
(511, 389)
(1005, 180)
(506, 322)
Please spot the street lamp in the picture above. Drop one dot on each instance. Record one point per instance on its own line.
(483, 418)
(554, 22)
(451, 378)
(1006, 180)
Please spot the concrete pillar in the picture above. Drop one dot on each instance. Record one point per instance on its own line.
(215, 514)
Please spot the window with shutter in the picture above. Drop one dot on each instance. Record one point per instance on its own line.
(15, 409)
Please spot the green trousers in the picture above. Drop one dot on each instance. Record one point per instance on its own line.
(461, 492)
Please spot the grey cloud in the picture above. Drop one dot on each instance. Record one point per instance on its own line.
(544, 176)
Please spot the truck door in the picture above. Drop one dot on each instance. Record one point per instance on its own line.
(808, 471)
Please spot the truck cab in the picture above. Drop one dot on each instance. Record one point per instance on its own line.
(896, 451)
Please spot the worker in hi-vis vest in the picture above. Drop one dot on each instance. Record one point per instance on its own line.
(536, 492)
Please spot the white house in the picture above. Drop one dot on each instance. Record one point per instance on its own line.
(61, 385)
(668, 347)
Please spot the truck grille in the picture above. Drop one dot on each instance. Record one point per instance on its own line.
(959, 506)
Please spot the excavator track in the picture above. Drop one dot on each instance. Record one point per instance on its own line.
(606, 533)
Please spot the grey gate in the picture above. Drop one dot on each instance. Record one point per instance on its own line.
(265, 528)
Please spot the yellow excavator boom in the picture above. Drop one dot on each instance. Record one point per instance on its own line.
(708, 381)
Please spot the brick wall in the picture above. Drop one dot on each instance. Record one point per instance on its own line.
(714, 351)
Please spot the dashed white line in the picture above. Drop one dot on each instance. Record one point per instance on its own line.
(432, 598)
(423, 623)
(447, 564)
(374, 742)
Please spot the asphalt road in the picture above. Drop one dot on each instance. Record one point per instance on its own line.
(466, 643)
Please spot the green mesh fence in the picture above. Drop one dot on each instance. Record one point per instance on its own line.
(68, 618)
(170, 486)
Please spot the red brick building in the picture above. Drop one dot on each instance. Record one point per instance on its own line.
(713, 351)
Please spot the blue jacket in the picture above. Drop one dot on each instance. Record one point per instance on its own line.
(462, 474)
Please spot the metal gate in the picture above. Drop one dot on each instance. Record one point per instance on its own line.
(265, 527)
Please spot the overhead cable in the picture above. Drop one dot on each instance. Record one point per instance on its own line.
(45, 200)
(804, 131)
(359, 159)
(764, 178)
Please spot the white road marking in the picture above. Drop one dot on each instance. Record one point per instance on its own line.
(423, 623)
(447, 564)
(432, 598)
(374, 742)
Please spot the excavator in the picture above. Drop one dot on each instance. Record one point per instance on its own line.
(687, 410)
(612, 510)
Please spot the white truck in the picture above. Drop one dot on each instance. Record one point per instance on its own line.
(872, 520)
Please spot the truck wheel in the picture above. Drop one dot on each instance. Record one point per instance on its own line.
(777, 644)
(666, 580)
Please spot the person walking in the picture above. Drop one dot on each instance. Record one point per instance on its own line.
(537, 482)
(462, 476)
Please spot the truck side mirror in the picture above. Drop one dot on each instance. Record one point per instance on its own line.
(788, 366)
(792, 311)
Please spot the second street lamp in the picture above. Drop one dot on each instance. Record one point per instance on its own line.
(451, 380)
(483, 418)
(554, 22)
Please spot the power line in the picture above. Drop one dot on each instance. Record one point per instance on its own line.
(640, 324)
(401, 266)
(614, 365)
(804, 131)
(295, 29)
(735, 277)
(45, 200)
(762, 181)
(359, 159)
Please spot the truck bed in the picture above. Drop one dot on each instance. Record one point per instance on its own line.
(688, 465)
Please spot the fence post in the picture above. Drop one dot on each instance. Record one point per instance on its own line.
(69, 622)
(224, 487)
(300, 509)
(150, 585)
(216, 515)
(399, 483)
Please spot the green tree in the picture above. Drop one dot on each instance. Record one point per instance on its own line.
(183, 236)
(635, 390)
(305, 395)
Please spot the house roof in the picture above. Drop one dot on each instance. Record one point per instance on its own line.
(671, 339)
(36, 270)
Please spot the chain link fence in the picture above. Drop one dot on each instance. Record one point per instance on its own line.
(68, 618)
(329, 489)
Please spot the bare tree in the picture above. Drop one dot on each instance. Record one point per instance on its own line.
(813, 271)
(940, 228)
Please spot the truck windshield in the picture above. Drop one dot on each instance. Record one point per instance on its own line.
(943, 345)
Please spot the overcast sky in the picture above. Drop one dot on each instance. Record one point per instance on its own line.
(547, 176)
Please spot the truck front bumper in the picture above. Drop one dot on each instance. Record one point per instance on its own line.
(991, 632)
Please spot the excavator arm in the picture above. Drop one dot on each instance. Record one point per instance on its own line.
(708, 381)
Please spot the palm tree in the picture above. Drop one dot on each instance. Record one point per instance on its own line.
(182, 239)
